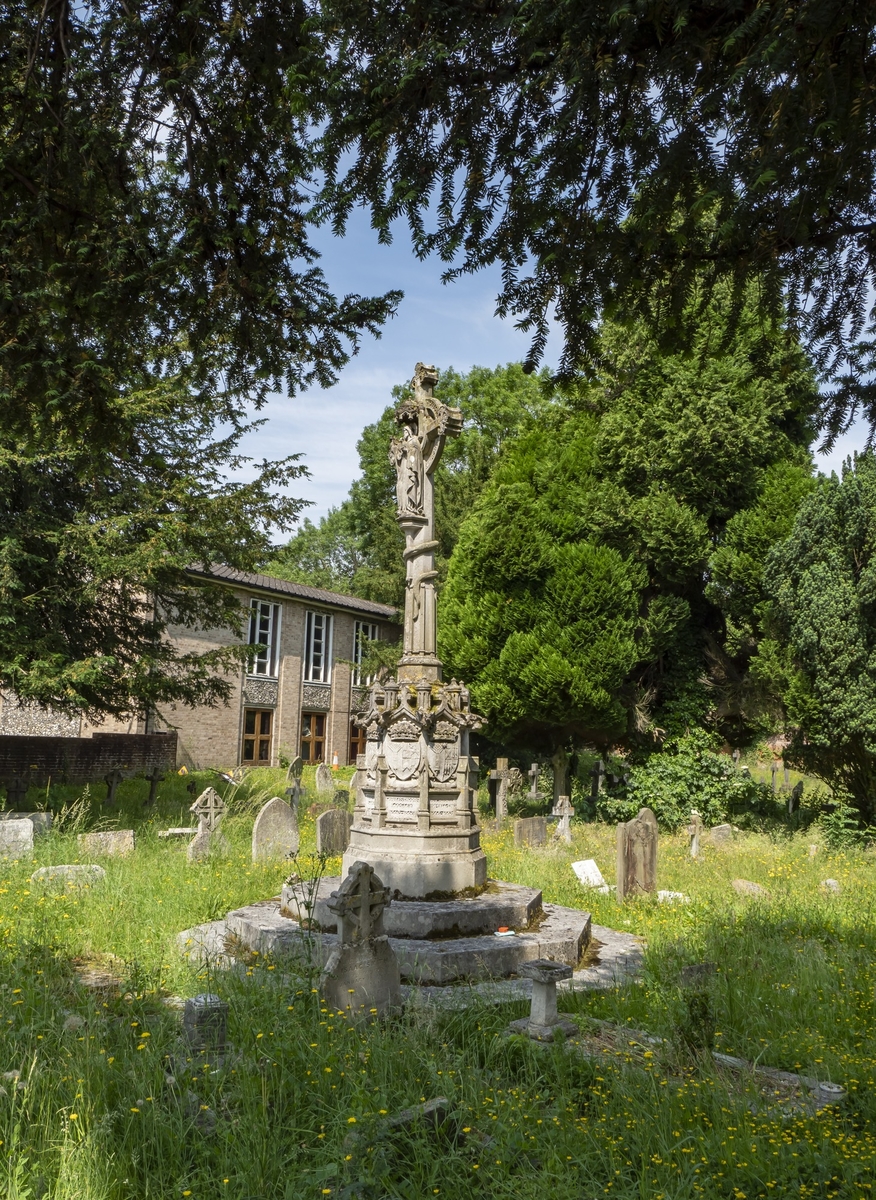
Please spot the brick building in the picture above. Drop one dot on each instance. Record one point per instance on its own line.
(295, 696)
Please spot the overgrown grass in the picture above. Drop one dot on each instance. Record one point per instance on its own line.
(295, 1110)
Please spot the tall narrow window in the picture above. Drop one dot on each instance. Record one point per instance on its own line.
(313, 737)
(264, 631)
(257, 724)
(318, 647)
(363, 631)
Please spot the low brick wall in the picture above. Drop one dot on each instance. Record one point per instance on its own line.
(85, 760)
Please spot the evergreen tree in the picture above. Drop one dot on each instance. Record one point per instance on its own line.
(156, 282)
(576, 604)
(820, 657)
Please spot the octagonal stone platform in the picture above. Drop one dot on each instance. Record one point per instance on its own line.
(502, 904)
(436, 943)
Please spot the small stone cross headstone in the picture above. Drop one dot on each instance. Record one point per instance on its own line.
(333, 831)
(736, 757)
(275, 832)
(534, 795)
(530, 831)
(695, 832)
(502, 778)
(637, 855)
(208, 808)
(325, 781)
(362, 973)
(564, 810)
(153, 780)
(112, 779)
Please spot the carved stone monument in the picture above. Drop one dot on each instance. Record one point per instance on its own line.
(414, 818)
(362, 972)
(637, 855)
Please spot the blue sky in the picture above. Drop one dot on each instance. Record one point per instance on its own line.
(448, 325)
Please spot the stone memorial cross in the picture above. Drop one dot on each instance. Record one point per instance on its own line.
(358, 905)
(695, 832)
(502, 776)
(153, 780)
(564, 810)
(534, 794)
(637, 855)
(208, 808)
(362, 973)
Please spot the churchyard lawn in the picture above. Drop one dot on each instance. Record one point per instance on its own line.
(98, 1103)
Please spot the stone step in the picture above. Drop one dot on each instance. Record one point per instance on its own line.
(562, 934)
(506, 905)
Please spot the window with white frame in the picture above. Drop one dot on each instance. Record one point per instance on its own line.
(264, 631)
(363, 631)
(318, 647)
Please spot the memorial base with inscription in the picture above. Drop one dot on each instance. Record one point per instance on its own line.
(414, 819)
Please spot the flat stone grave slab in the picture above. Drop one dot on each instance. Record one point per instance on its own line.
(113, 843)
(562, 934)
(69, 875)
(41, 821)
(507, 905)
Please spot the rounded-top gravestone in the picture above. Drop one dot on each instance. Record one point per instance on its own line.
(275, 833)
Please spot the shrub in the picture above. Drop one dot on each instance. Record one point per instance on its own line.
(686, 774)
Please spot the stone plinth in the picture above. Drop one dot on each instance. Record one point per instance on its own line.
(507, 905)
(414, 818)
(561, 934)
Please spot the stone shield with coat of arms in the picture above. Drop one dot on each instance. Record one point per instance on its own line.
(403, 758)
(443, 760)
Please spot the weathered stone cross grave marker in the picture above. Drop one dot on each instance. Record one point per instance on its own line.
(695, 832)
(502, 777)
(564, 810)
(534, 794)
(153, 780)
(362, 973)
(208, 808)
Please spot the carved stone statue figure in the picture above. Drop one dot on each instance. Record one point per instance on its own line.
(406, 455)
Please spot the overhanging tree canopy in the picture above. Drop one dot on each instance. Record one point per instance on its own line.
(612, 156)
(155, 280)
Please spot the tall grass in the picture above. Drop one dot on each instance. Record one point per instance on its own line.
(112, 1108)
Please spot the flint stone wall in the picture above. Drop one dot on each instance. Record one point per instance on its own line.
(85, 760)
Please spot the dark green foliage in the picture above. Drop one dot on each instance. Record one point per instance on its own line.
(577, 603)
(155, 281)
(687, 774)
(821, 656)
(358, 547)
(613, 157)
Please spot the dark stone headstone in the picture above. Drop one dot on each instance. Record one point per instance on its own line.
(333, 831)
(530, 831)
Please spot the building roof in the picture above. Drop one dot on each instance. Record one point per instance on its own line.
(300, 591)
